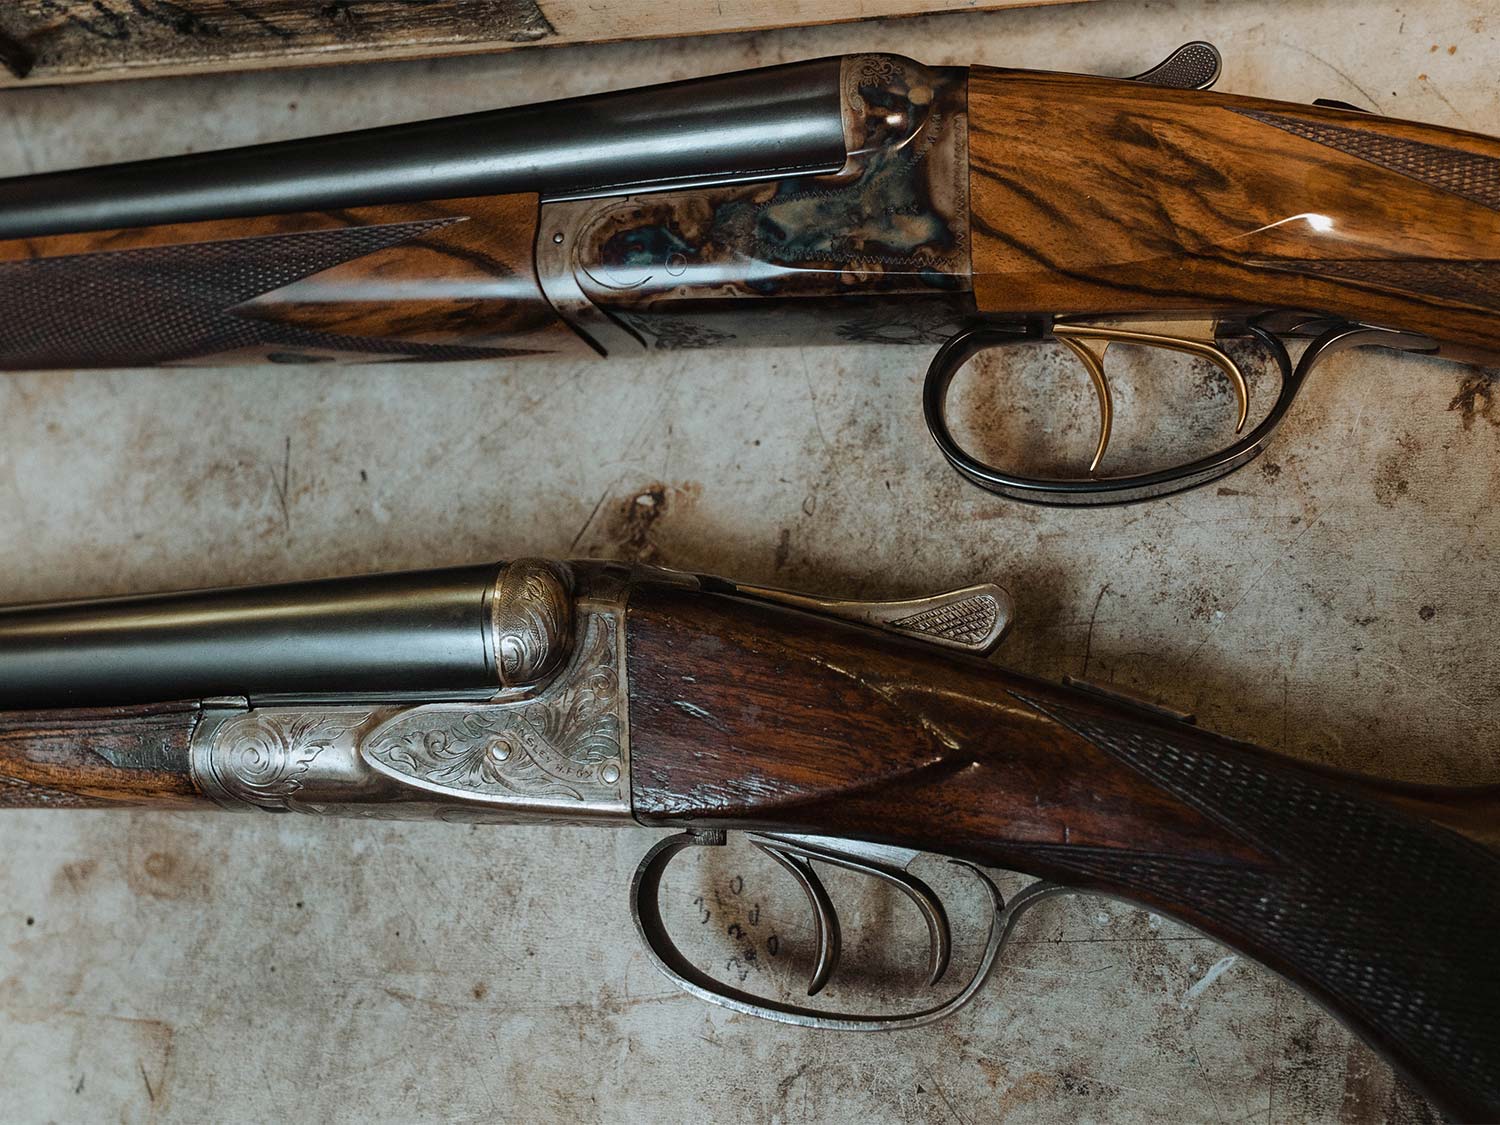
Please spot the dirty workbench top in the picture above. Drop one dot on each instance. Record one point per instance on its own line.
(1335, 600)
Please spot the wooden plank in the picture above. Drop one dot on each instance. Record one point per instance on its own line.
(53, 41)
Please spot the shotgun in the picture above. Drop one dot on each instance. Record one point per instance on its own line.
(863, 199)
(835, 733)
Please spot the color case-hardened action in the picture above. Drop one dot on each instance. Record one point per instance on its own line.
(842, 733)
(865, 199)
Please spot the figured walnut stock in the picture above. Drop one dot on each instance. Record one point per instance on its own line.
(453, 279)
(98, 757)
(1380, 899)
(1095, 197)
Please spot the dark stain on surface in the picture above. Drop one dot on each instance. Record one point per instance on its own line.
(74, 876)
(1476, 398)
(636, 519)
(783, 548)
(166, 874)
(1391, 482)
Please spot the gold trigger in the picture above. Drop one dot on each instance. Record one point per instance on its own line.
(1083, 340)
(1093, 363)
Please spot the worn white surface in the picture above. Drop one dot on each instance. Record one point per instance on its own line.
(1337, 600)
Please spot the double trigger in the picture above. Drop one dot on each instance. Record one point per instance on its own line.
(796, 854)
(1090, 343)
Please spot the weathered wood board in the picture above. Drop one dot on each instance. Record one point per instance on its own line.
(45, 41)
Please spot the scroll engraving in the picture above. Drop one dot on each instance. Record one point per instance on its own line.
(263, 758)
(559, 753)
(532, 619)
(563, 746)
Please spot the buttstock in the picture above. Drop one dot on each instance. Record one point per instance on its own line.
(1097, 197)
(1379, 899)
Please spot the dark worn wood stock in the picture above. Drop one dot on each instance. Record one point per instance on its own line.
(98, 757)
(1092, 196)
(1380, 899)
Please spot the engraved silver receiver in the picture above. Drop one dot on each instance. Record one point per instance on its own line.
(493, 694)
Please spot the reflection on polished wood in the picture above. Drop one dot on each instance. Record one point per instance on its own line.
(451, 279)
(1097, 197)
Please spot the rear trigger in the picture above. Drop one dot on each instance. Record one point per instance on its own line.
(1090, 342)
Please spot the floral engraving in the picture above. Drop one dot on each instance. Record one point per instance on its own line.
(532, 620)
(566, 744)
(670, 333)
(263, 757)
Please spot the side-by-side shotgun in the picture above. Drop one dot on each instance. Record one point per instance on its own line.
(842, 733)
(865, 199)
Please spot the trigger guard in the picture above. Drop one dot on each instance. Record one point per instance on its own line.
(1091, 491)
(645, 909)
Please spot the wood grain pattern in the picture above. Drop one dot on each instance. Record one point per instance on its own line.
(98, 757)
(91, 40)
(1093, 196)
(1377, 898)
(446, 280)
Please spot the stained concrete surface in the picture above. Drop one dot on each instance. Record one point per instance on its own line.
(1335, 600)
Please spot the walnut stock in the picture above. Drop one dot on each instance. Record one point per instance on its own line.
(1377, 898)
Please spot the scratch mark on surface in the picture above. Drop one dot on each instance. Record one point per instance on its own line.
(1215, 971)
(657, 411)
(605, 495)
(892, 697)
(150, 1093)
(812, 399)
(1434, 686)
(1462, 117)
(282, 486)
(1254, 582)
(1369, 97)
(1088, 644)
(699, 713)
(939, 1091)
(1209, 1086)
